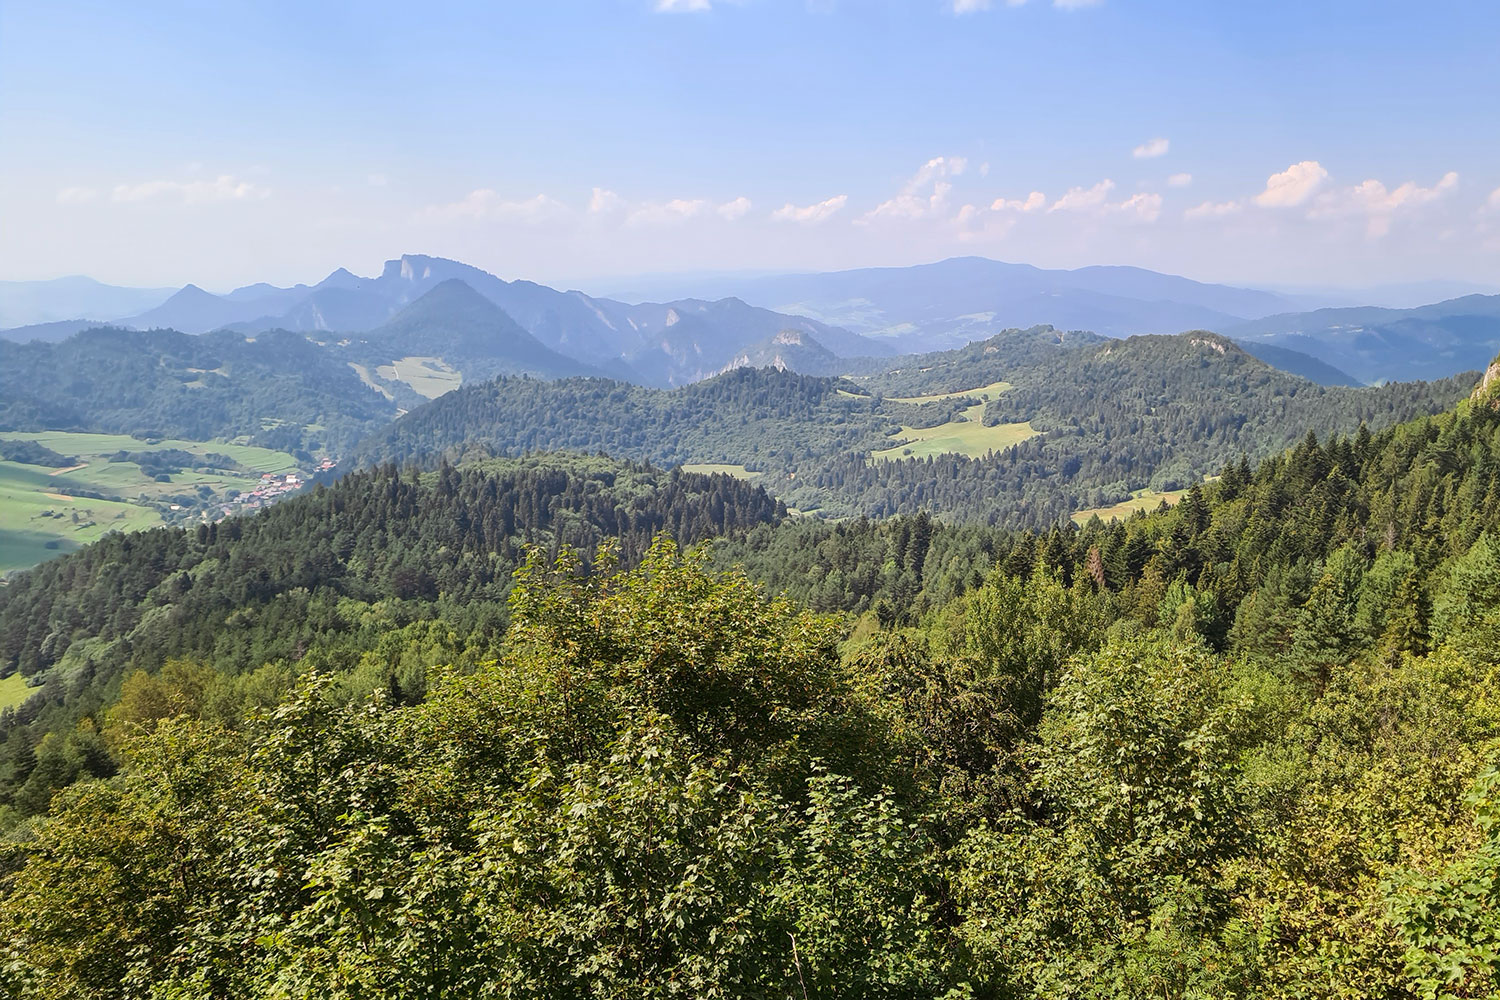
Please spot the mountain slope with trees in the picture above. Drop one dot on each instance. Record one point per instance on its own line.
(1114, 417)
(1241, 747)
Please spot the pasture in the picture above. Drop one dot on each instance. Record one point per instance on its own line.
(965, 435)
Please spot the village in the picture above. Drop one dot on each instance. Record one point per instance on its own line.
(273, 488)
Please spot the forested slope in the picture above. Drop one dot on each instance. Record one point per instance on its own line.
(1241, 747)
(278, 389)
(328, 573)
(1114, 417)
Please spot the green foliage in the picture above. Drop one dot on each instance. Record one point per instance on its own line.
(1243, 747)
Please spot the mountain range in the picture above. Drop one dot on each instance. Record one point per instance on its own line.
(813, 323)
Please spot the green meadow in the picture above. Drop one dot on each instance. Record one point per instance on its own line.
(42, 516)
(1139, 500)
(737, 471)
(965, 435)
(13, 691)
(431, 377)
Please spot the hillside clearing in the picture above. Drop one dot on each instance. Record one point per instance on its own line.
(1140, 500)
(966, 435)
(984, 392)
(737, 471)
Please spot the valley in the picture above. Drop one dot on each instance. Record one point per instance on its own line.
(115, 482)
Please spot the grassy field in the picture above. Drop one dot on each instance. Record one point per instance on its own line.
(41, 516)
(966, 435)
(737, 471)
(1140, 500)
(430, 377)
(984, 392)
(38, 521)
(13, 691)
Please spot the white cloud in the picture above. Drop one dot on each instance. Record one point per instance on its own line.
(1081, 199)
(1372, 199)
(925, 194)
(1214, 210)
(970, 6)
(377, 180)
(737, 209)
(1179, 180)
(660, 213)
(225, 187)
(604, 200)
(485, 204)
(1293, 186)
(76, 195)
(1075, 4)
(1035, 202)
(1144, 206)
(1375, 198)
(1151, 149)
(810, 213)
(682, 6)
(1494, 201)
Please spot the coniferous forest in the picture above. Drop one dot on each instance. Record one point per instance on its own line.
(565, 726)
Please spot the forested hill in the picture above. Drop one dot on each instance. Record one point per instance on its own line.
(1241, 747)
(1072, 422)
(278, 390)
(765, 416)
(330, 570)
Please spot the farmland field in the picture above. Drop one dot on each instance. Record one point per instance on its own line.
(42, 515)
(431, 377)
(1140, 500)
(967, 435)
(13, 691)
(737, 471)
(984, 392)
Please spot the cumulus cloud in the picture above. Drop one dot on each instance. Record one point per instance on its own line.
(1293, 186)
(1145, 207)
(1080, 199)
(1214, 210)
(1179, 180)
(1035, 202)
(486, 205)
(1151, 149)
(925, 194)
(225, 187)
(76, 195)
(604, 201)
(808, 214)
(1373, 200)
(658, 213)
(736, 209)
(682, 6)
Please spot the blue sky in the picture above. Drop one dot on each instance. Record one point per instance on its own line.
(1271, 142)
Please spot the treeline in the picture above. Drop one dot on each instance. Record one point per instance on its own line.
(34, 453)
(326, 574)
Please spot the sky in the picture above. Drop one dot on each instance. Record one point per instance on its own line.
(222, 142)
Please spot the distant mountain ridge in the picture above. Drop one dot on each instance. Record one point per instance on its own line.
(848, 315)
(962, 299)
(1376, 344)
